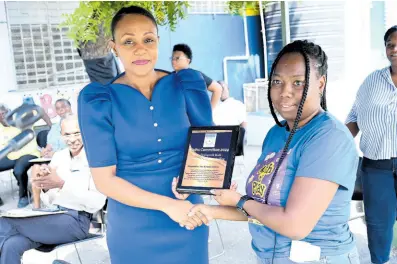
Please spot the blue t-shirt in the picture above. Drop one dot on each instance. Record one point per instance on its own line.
(54, 138)
(322, 149)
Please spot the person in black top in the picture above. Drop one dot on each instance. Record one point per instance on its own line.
(181, 58)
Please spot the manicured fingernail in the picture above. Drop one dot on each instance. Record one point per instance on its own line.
(212, 191)
(190, 214)
(180, 225)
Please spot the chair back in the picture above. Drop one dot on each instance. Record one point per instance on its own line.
(41, 138)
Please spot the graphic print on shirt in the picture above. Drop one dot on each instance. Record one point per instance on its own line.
(260, 177)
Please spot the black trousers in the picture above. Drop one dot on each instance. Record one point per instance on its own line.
(20, 169)
(41, 138)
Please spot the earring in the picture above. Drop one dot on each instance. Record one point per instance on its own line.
(321, 95)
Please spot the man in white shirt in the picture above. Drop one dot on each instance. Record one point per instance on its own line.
(65, 183)
(229, 112)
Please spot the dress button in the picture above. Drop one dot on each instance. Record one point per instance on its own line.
(151, 107)
(155, 125)
(159, 140)
(159, 153)
(159, 161)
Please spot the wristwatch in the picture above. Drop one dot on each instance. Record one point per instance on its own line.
(241, 203)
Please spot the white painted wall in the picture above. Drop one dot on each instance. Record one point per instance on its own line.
(7, 71)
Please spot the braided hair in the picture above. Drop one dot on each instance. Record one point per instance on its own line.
(309, 51)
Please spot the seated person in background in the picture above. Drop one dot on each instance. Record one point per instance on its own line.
(18, 161)
(181, 58)
(229, 112)
(66, 183)
(54, 139)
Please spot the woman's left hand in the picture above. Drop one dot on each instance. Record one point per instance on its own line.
(180, 196)
(226, 197)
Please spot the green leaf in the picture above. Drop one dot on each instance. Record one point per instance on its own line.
(239, 7)
(86, 20)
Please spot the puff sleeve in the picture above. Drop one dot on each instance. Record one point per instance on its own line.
(95, 120)
(198, 104)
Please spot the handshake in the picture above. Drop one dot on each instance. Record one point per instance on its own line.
(191, 216)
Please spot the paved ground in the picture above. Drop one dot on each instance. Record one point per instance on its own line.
(235, 236)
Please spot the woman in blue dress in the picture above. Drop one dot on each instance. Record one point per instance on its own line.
(134, 130)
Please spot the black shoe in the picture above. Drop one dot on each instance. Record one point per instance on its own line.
(1, 202)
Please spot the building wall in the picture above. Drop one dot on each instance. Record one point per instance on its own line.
(214, 37)
(7, 72)
(211, 37)
(378, 29)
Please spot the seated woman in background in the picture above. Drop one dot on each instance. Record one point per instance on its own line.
(17, 161)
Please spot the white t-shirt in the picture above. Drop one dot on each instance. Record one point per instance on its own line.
(230, 112)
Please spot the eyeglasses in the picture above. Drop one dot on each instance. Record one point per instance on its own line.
(57, 108)
(177, 58)
(70, 136)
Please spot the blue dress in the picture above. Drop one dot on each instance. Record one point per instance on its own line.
(145, 140)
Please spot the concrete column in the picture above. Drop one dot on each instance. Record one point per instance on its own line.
(390, 14)
(7, 68)
(285, 23)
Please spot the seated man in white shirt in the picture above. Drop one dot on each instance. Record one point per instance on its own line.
(229, 112)
(66, 183)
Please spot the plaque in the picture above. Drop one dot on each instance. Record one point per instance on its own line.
(209, 159)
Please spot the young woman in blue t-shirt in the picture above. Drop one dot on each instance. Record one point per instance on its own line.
(302, 185)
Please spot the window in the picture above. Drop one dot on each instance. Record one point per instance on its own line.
(207, 7)
(43, 55)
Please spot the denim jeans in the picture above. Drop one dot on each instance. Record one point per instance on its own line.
(20, 169)
(351, 257)
(379, 190)
(18, 235)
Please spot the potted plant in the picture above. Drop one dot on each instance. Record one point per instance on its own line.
(89, 28)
